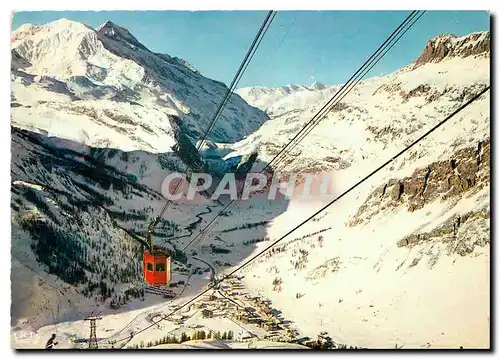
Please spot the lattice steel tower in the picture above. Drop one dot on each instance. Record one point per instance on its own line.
(93, 336)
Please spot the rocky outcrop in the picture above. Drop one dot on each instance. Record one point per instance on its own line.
(327, 268)
(337, 163)
(461, 232)
(468, 170)
(17, 61)
(395, 92)
(447, 46)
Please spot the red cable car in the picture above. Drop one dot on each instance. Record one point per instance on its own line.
(156, 265)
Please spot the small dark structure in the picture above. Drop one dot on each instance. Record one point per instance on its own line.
(207, 313)
(51, 342)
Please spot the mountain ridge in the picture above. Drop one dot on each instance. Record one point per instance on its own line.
(108, 68)
(448, 46)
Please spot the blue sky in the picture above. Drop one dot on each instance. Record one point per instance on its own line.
(300, 46)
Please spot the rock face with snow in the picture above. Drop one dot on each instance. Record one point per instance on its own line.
(448, 46)
(276, 100)
(466, 173)
(102, 87)
(74, 212)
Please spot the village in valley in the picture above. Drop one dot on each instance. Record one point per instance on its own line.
(241, 317)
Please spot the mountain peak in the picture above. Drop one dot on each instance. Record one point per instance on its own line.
(110, 30)
(113, 74)
(60, 26)
(55, 47)
(317, 86)
(63, 20)
(446, 46)
(64, 24)
(112, 27)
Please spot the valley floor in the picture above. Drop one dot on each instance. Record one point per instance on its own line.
(376, 295)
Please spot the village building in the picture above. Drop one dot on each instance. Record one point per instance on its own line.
(207, 313)
(200, 305)
(270, 326)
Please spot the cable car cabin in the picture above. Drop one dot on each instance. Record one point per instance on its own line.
(157, 268)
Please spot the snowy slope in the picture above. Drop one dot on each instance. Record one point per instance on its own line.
(275, 100)
(405, 252)
(75, 214)
(404, 259)
(379, 116)
(102, 87)
(366, 289)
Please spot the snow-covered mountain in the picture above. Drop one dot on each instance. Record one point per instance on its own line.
(402, 260)
(380, 115)
(405, 252)
(275, 100)
(102, 87)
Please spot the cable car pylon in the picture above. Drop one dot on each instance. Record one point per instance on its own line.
(93, 336)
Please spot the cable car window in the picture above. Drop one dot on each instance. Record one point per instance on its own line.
(160, 267)
(150, 266)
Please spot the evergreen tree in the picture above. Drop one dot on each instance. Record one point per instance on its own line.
(183, 337)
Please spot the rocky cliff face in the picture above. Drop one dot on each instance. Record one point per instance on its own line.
(447, 46)
(460, 233)
(467, 171)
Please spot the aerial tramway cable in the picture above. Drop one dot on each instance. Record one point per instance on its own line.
(365, 178)
(393, 38)
(373, 60)
(248, 57)
(239, 74)
(330, 105)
